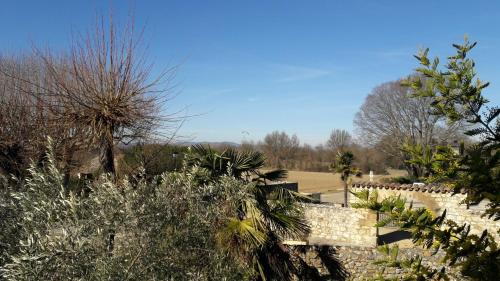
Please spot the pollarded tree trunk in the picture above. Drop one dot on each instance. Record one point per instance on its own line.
(107, 154)
(107, 159)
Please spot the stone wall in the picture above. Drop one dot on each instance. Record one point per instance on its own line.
(438, 202)
(352, 235)
(359, 262)
(335, 225)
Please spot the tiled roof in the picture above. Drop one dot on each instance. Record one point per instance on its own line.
(436, 188)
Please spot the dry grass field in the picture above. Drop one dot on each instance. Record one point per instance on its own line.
(329, 182)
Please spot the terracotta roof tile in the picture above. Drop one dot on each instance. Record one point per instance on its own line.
(437, 188)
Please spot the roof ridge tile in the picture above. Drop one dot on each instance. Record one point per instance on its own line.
(434, 187)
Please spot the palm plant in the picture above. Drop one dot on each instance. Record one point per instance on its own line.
(367, 200)
(264, 216)
(243, 165)
(344, 165)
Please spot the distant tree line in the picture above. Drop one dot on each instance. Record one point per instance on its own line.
(285, 151)
(392, 128)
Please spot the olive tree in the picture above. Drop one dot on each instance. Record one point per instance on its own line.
(161, 228)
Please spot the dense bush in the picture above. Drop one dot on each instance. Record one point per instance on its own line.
(158, 230)
(154, 159)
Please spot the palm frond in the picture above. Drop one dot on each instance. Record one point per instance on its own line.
(275, 261)
(281, 213)
(241, 234)
(274, 175)
(287, 222)
(284, 194)
(367, 200)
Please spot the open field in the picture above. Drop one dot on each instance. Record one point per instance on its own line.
(329, 182)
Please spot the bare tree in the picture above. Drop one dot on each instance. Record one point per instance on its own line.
(23, 121)
(339, 140)
(16, 119)
(104, 87)
(27, 118)
(280, 147)
(390, 117)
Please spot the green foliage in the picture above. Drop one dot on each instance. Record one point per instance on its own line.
(445, 166)
(420, 158)
(458, 95)
(159, 229)
(456, 92)
(477, 256)
(413, 268)
(344, 166)
(422, 225)
(243, 165)
(265, 215)
(154, 159)
(432, 164)
(369, 200)
(366, 200)
(8, 221)
(481, 178)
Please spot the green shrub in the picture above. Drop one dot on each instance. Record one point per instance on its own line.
(150, 230)
(155, 159)
(400, 180)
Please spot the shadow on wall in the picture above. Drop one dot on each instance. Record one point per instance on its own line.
(320, 263)
(394, 236)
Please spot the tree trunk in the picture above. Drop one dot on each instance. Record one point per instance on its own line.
(67, 176)
(107, 159)
(345, 194)
(107, 156)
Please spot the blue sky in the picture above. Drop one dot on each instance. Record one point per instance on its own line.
(304, 67)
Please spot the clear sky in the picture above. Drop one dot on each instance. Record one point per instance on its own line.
(304, 67)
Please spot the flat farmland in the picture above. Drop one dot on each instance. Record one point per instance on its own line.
(329, 182)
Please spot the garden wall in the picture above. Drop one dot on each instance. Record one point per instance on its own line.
(359, 262)
(335, 225)
(437, 199)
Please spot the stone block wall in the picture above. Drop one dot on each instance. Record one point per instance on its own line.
(359, 262)
(438, 202)
(335, 225)
(352, 235)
